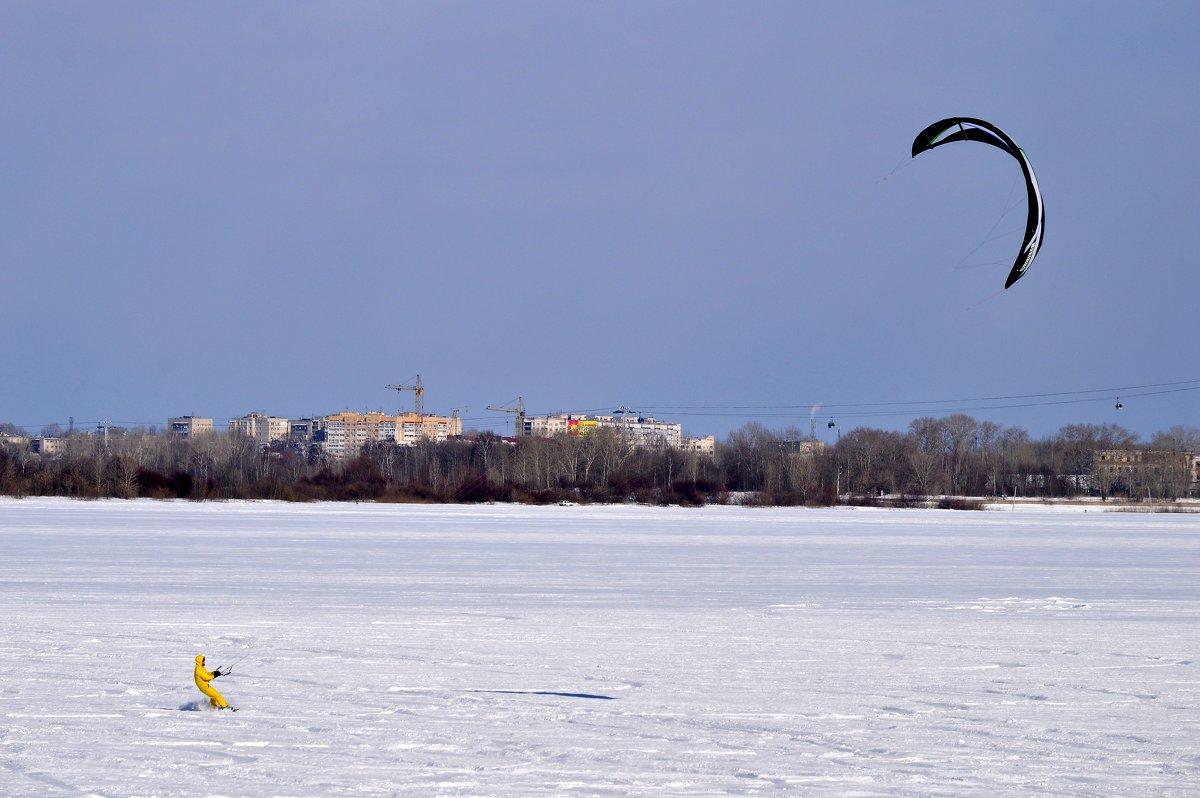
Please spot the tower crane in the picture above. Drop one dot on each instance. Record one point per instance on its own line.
(415, 388)
(519, 410)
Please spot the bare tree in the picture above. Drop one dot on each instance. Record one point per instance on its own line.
(1077, 444)
(1178, 438)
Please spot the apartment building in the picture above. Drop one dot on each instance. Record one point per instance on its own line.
(345, 434)
(189, 426)
(263, 428)
(414, 429)
(637, 430)
(706, 445)
(46, 445)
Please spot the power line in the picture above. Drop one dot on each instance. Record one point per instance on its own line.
(853, 410)
(807, 406)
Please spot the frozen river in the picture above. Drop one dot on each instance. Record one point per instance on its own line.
(597, 651)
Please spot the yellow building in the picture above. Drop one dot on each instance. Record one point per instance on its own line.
(345, 434)
(706, 445)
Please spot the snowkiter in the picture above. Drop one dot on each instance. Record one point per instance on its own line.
(204, 679)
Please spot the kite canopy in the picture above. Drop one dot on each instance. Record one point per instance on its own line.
(962, 128)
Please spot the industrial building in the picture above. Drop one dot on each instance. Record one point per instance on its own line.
(1145, 473)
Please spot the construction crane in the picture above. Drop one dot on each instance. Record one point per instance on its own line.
(519, 410)
(415, 388)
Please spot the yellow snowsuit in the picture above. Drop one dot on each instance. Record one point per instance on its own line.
(204, 678)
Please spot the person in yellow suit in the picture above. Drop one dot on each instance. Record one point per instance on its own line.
(204, 679)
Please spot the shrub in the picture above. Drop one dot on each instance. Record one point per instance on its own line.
(956, 503)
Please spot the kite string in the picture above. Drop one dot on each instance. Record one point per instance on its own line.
(988, 238)
(904, 162)
(985, 300)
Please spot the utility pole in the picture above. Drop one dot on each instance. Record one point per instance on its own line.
(104, 425)
(101, 456)
(415, 388)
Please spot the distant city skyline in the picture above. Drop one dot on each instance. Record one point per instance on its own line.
(819, 417)
(706, 212)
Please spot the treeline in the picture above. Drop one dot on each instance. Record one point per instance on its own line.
(952, 456)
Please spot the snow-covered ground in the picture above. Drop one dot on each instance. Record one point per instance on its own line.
(597, 651)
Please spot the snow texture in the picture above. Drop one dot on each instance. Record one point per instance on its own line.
(386, 650)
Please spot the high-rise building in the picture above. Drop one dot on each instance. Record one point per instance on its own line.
(345, 434)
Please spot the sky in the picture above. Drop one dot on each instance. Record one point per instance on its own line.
(701, 211)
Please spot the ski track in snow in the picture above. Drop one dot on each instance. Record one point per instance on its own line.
(596, 651)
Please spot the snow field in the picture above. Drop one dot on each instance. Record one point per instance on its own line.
(596, 651)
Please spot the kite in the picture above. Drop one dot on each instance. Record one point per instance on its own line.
(962, 128)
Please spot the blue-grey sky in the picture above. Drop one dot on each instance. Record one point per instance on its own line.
(219, 208)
